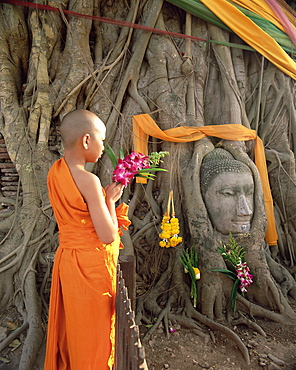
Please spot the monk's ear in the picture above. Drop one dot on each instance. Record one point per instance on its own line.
(85, 141)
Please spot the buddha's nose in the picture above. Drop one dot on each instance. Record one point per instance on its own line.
(243, 208)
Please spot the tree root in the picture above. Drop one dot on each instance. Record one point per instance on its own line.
(35, 332)
(162, 315)
(259, 311)
(223, 329)
(13, 335)
(250, 324)
(189, 322)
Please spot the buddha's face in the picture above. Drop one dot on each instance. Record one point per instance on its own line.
(229, 199)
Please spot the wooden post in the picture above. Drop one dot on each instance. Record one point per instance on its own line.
(129, 352)
(128, 268)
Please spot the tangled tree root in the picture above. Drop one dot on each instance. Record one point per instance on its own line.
(13, 335)
(189, 320)
(242, 320)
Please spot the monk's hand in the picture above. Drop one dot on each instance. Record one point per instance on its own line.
(114, 191)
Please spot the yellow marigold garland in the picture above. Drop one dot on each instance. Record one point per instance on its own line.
(170, 227)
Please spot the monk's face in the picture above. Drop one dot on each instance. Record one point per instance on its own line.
(229, 201)
(96, 141)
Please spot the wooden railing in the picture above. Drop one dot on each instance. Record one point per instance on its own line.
(129, 352)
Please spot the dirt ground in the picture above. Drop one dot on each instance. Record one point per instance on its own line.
(183, 350)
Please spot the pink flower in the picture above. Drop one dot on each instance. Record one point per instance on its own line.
(138, 161)
(128, 167)
(121, 164)
(243, 274)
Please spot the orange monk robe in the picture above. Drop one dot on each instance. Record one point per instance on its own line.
(82, 302)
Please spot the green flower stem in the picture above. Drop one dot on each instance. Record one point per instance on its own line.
(189, 259)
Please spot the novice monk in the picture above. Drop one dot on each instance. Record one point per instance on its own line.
(82, 302)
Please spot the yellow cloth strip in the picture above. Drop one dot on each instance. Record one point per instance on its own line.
(260, 161)
(253, 35)
(262, 8)
(144, 125)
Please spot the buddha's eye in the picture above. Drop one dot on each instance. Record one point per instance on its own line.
(249, 192)
(227, 192)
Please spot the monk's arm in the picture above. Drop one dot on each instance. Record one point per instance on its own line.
(102, 212)
(113, 193)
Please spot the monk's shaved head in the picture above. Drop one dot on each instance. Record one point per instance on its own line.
(78, 123)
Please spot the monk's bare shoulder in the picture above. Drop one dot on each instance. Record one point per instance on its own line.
(89, 185)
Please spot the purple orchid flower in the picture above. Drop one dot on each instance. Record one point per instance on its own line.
(128, 167)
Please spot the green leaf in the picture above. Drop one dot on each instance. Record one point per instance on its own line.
(121, 154)
(191, 273)
(194, 293)
(155, 157)
(158, 169)
(149, 177)
(233, 296)
(183, 260)
(189, 259)
(228, 273)
(143, 170)
(110, 153)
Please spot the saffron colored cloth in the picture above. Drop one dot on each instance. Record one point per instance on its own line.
(253, 35)
(274, 12)
(267, 28)
(82, 302)
(144, 125)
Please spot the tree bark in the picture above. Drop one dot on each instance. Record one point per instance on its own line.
(52, 64)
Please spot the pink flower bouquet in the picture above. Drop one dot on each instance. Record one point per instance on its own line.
(233, 253)
(133, 165)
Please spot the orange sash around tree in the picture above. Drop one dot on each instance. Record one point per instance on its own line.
(82, 302)
(144, 125)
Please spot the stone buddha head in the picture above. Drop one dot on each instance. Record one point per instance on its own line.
(227, 187)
